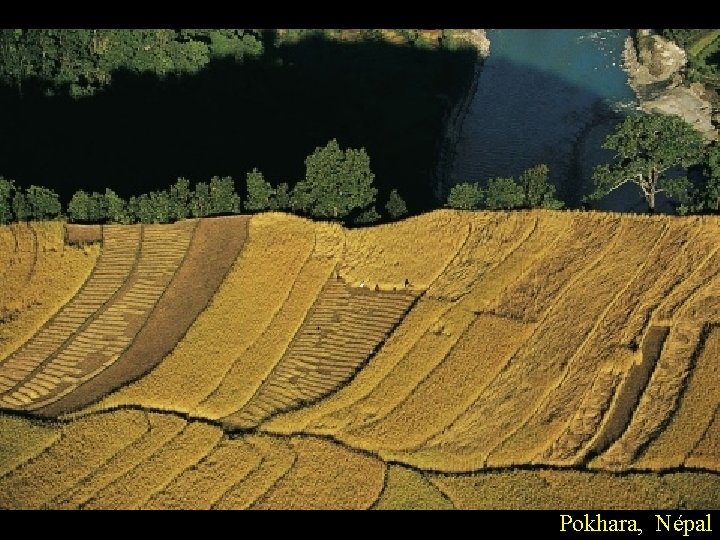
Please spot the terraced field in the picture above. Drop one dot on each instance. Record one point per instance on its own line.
(274, 362)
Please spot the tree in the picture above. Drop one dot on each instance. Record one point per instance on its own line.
(223, 198)
(538, 191)
(370, 215)
(180, 199)
(464, 196)
(259, 192)
(43, 202)
(116, 208)
(504, 193)
(160, 208)
(6, 190)
(200, 205)
(79, 206)
(395, 205)
(707, 196)
(337, 183)
(646, 146)
(21, 208)
(281, 201)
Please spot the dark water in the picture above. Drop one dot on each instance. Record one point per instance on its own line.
(548, 96)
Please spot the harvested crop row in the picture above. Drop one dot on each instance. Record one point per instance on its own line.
(115, 264)
(21, 439)
(83, 446)
(276, 460)
(162, 428)
(695, 412)
(341, 331)
(241, 310)
(388, 254)
(259, 361)
(212, 251)
(451, 387)
(510, 398)
(587, 345)
(321, 415)
(658, 401)
(134, 489)
(326, 476)
(528, 298)
(59, 274)
(101, 342)
(407, 489)
(536, 490)
(489, 242)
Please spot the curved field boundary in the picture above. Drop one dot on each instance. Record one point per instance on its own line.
(199, 486)
(659, 401)
(326, 475)
(117, 261)
(241, 309)
(162, 429)
(430, 330)
(408, 489)
(521, 381)
(254, 364)
(277, 458)
(215, 245)
(83, 447)
(22, 440)
(104, 337)
(341, 332)
(591, 302)
(698, 401)
(134, 489)
(625, 400)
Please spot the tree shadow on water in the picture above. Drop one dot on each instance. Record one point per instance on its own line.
(144, 131)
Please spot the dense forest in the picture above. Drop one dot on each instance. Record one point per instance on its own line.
(134, 110)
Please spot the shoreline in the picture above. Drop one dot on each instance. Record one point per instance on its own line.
(453, 123)
(654, 68)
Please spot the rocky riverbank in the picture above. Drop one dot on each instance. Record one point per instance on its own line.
(452, 125)
(654, 69)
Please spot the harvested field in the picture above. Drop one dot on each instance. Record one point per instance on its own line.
(538, 359)
(82, 234)
(325, 475)
(214, 247)
(256, 287)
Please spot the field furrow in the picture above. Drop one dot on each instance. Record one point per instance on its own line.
(706, 454)
(22, 439)
(162, 429)
(326, 475)
(241, 310)
(135, 488)
(83, 447)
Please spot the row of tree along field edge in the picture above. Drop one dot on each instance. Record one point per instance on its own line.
(133, 110)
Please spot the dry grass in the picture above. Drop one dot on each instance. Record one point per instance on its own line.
(134, 489)
(83, 234)
(706, 453)
(242, 309)
(388, 254)
(22, 439)
(198, 487)
(162, 428)
(407, 489)
(451, 387)
(28, 301)
(84, 446)
(694, 414)
(571, 490)
(277, 457)
(658, 401)
(324, 476)
(581, 346)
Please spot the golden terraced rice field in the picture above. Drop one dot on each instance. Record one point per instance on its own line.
(534, 359)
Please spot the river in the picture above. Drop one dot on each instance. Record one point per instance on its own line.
(548, 96)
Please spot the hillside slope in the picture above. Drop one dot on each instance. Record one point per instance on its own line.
(427, 357)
